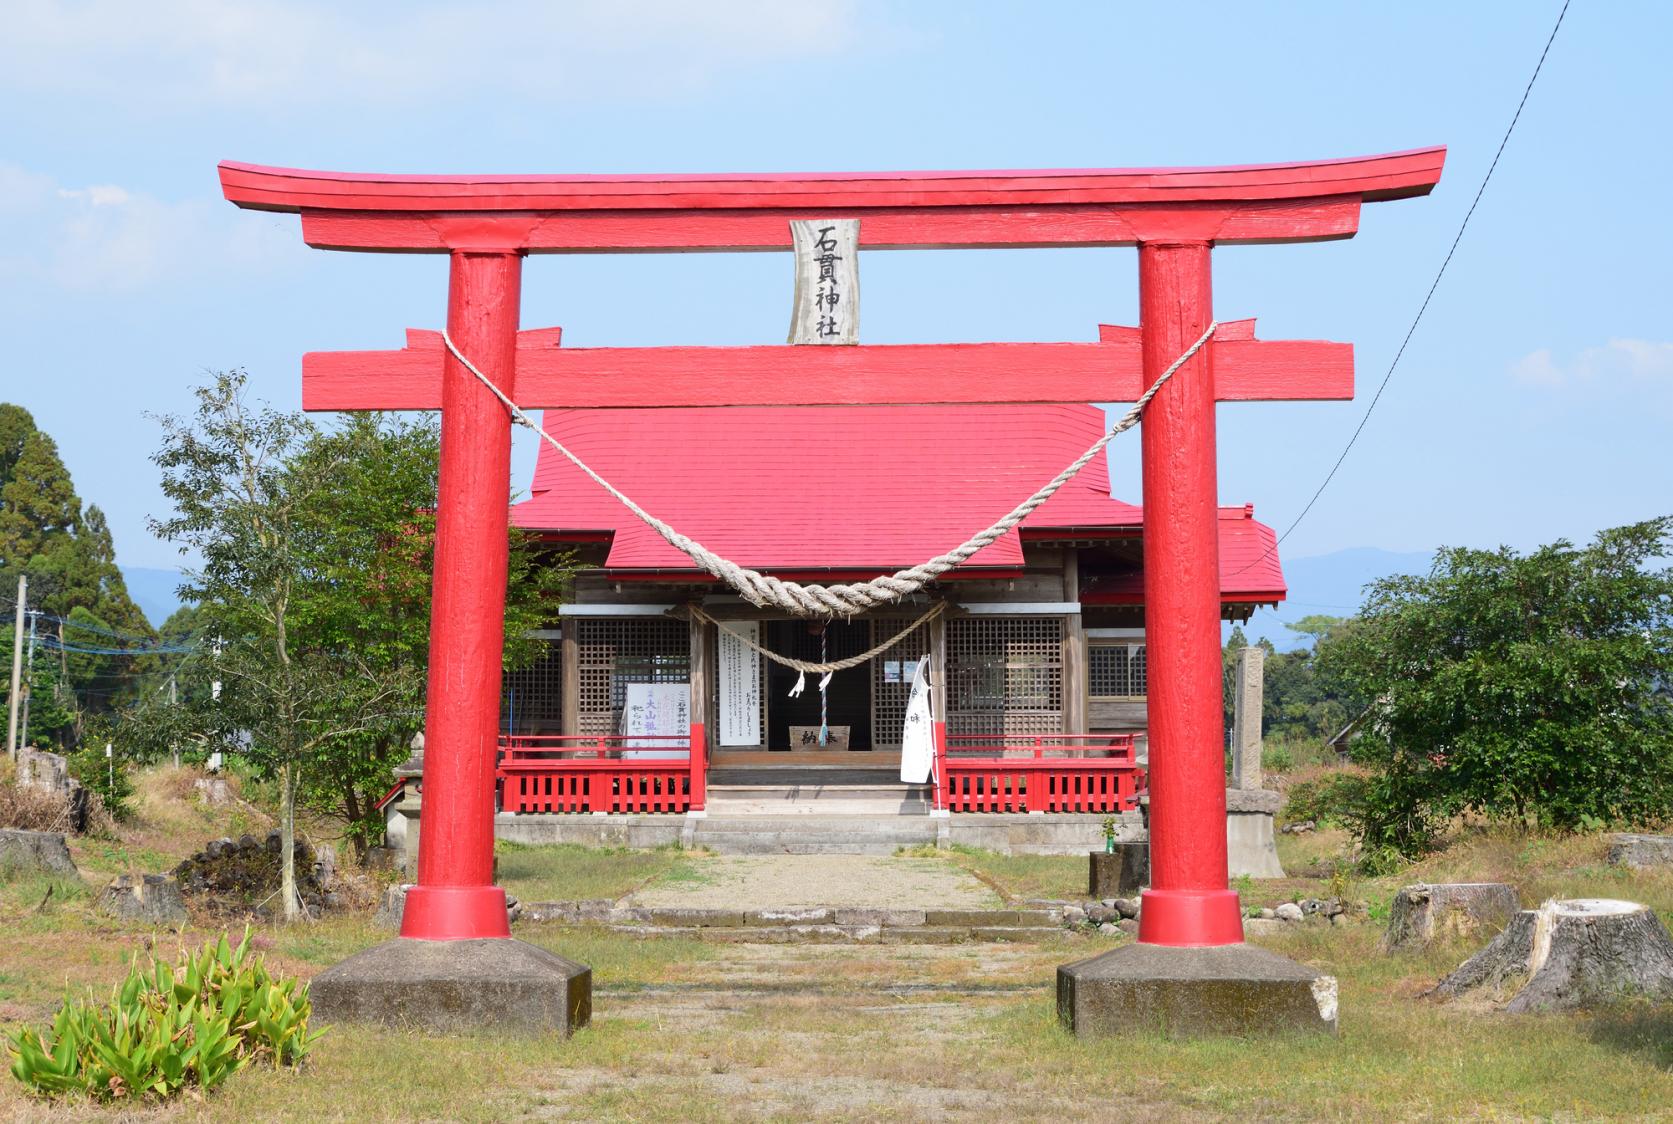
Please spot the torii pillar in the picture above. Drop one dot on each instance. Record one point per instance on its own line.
(1189, 969)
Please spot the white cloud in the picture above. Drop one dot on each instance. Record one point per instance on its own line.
(1617, 361)
(100, 195)
(169, 53)
(104, 237)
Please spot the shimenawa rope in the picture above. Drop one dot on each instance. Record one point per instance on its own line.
(764, 590)
(807, 667)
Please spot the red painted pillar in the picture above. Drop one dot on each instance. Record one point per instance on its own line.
(1188, 902)
(455, 898)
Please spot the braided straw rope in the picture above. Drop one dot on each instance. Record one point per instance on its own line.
(764, 590)
(807, 667)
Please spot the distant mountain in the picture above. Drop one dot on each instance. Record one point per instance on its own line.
(1332, 584)
(153, 591)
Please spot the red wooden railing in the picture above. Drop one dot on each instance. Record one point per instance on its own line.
(587, 773)
(1044, 773)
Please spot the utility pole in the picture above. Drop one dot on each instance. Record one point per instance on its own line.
(17, 667)
(173, 698)
(29, 680)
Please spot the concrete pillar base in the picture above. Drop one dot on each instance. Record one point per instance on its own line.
(1226, 989)
(1251, 837)
(451, 986)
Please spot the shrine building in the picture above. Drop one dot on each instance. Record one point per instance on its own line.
(1040, 647)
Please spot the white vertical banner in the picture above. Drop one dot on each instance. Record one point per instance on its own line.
(740, 684)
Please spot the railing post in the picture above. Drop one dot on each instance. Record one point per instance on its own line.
(699, 755)
(943, 788)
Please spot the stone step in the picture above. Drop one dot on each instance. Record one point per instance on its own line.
(845, 934)
(858, 808)
(813, 832)
(811, 822)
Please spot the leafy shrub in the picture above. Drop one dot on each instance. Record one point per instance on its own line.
(1338, 800)
(107, 780)
(165, 1028)
(1530, 689)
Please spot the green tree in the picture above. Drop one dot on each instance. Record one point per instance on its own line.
(1530, 688)
(370, 543)
(70, 559)
(237, 497)
(313, 594)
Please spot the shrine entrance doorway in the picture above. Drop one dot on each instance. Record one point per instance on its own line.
(844, 709)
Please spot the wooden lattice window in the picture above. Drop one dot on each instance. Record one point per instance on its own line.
(1116, 668)
(616, 651)
(889, 695)
(1005, 675)
(532, 697)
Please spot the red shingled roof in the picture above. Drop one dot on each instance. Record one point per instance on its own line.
(853, 488)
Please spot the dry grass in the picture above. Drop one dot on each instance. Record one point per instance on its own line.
(32, 809)
(708, 1032)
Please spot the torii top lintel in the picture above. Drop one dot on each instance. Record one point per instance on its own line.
(603, 213)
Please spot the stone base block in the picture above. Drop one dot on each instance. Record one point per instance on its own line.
(1251, 844)
(451, 986)
(1228, 989)
(1118, 873)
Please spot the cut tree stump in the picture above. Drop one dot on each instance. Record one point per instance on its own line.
(1640, 851)
(1568, 954)
(1425, 913)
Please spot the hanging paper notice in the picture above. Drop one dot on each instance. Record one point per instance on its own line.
(651, 714)
(891, 671)
(740, 684)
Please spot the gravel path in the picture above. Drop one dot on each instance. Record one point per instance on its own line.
(791, 881)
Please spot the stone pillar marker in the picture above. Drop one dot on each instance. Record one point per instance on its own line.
(1247, 697)
(1251, 811)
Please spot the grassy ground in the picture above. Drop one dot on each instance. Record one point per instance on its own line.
(701, 1032)
(567, 872)
(738, 1033)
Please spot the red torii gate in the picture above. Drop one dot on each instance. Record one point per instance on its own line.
(488, 223)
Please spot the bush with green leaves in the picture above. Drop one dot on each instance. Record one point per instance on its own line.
(168, 1027)
(1532, 689)
(105, 777)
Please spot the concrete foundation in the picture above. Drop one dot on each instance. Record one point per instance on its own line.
(452, 986)
(1229, 989)
(1251, 839)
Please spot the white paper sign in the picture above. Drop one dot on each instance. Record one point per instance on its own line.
(740, 685)
(655, 708)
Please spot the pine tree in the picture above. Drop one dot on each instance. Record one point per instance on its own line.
(70, 559)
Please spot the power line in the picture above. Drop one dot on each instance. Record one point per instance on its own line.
(1427, 297)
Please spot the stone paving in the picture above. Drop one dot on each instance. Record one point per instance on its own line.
(756, 882)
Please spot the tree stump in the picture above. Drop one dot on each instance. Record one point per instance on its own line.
(42, 852)
(152, 898)
(1425, 913)
(1568, 954)
(1640, 851)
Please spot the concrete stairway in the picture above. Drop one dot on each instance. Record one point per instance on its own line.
(809, 834)
(821, 791)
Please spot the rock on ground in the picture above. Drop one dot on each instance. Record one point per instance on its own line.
(153, 898)
(42, 851)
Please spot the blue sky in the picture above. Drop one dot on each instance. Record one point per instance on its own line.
(1535, 402)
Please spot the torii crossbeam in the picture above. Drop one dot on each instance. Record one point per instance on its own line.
(487, 224)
